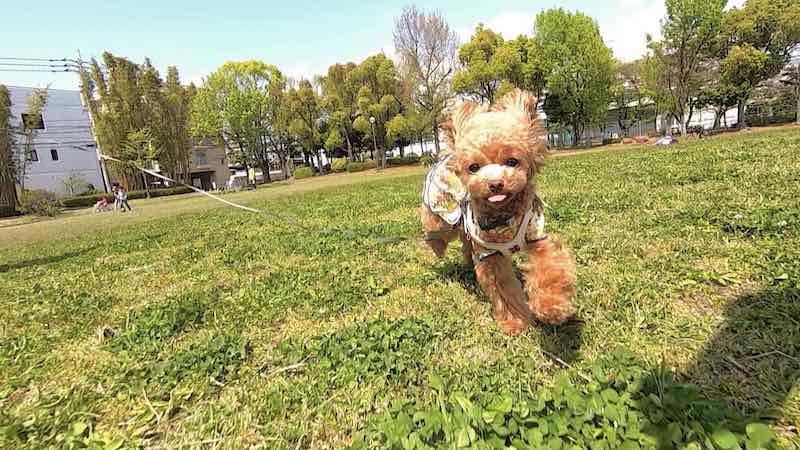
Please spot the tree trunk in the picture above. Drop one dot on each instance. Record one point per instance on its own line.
(146, 185)
(349, 146)
(319, 162)
(740, 110)
(436, 137)
(265, 171)
(575, 136)
(717, 118)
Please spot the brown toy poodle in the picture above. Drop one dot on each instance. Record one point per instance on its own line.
(483, 192)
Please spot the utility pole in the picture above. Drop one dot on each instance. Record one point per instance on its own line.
(100, 160)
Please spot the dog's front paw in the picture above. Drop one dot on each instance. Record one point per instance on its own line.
(554, 308)
(512, 326)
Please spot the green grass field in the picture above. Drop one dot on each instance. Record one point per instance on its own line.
(217, 328)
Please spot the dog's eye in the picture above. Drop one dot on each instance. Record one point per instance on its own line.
(512, 162)
(474, 168)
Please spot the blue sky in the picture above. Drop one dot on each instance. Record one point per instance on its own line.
(301, 38)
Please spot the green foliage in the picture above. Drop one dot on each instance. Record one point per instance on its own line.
(339, 165)
(215, 358)
(124, 98)
(623, 406)
(427, 160)
(485, 62)
(404, 161)
(356, 166)
(690, 32)
(303, 172)
(8, 190)
(392, 350)
(241, 104)
(40, 202)
(578, 68)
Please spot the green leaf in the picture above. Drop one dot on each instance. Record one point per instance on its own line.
(436, 382)
(78, 428)
(464, 437)
(759, 434)
(725, 440)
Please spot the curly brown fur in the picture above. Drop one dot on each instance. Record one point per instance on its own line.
(497, 150)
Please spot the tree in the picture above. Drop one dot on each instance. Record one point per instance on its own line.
(30, 129)
(689, 32)
(791, 77)
(485, 64)
(428, 50)
(629, 95)
(578, 67)
(758, 43)
(74, 183)
(8, 188)
(177, 142)
(339, 99)
(380, 96)
(138, 151)
(233, 107)
(304, 103)
(719, 95)
(529, 73)
(654, 86)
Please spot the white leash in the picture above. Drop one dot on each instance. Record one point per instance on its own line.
(208, 194)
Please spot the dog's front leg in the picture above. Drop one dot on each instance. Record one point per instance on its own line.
(497, 279)
(550, 281)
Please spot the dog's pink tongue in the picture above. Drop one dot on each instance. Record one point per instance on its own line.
(497, 198)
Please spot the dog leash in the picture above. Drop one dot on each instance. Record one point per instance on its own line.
(285, 217)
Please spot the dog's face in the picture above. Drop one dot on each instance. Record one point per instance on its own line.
(496, 151)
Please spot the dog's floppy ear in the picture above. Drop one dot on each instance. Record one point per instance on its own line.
(518, 102)
(455, 121)
(523, 104)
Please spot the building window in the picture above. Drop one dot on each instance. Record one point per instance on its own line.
(54, 154)
(32, 121)
(33, 156)
(200, 158)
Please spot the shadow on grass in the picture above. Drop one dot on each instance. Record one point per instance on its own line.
(753, 361)
(45, 260)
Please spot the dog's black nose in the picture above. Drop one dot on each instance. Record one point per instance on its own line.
(496, 187)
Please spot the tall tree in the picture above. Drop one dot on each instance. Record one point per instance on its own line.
(759, 39)
(629, 95)
(428, 49)
(30, 130)
(233, 107)
(177, 144)
(340, 100)
(690, 32)
(379, 97)
(578, 67)
(485, 64)
(305, 106)
(8, 188)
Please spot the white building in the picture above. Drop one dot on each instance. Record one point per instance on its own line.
(64, 145)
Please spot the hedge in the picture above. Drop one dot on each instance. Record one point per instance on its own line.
(303, 172)
(361, 166)
(90, 200)
(404, 161)
(339, 165)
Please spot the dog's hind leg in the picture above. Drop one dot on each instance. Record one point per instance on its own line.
(438, 233)
(498, 281)
(550, 281)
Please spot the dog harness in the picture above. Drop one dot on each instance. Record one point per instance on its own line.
(447, 197)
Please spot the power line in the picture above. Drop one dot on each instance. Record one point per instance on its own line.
(38, 70)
